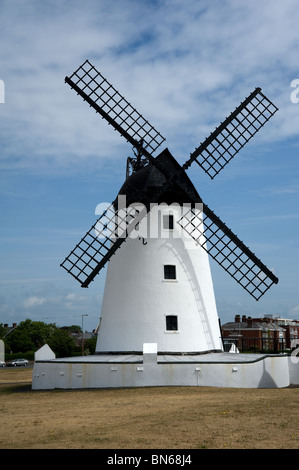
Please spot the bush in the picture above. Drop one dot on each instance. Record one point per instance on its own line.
(27, 355)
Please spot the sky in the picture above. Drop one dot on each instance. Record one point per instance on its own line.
(185, 66)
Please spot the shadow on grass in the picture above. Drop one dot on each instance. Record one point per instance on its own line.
(17, 388)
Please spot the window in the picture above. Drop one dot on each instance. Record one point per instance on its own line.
(169, 271)
(168, 222)
(171, 322)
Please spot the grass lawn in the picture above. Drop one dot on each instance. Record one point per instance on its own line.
(145, 418)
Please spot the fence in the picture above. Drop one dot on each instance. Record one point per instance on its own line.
(256, 345)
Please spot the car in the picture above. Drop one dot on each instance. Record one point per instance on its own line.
(17, 362)
(2, 364)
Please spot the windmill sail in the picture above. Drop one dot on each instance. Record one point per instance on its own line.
(229, 251)
(89, 83)
(231, 136)
(101, 242)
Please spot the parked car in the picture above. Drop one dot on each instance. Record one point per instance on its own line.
(2, 364)
(17, 362)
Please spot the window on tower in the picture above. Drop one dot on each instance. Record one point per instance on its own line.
(171, 322)
(169, 271)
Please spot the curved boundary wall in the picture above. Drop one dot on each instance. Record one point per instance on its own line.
(150, 369)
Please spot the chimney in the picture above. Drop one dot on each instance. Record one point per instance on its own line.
(237, 318)
(14, 325)
(244, 319)
(249, 322)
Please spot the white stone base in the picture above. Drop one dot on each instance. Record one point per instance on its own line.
(213, 369)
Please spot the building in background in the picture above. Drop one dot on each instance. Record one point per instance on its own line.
(258, 334)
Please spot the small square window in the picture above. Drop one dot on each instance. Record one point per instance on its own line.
(169, 271)
(168, 222)
(171, 322)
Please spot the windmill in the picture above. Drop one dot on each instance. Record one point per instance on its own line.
(159, 289)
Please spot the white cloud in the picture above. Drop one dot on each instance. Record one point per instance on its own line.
(184, 65)
(34, 301)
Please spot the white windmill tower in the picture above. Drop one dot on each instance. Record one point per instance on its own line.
(159, 287)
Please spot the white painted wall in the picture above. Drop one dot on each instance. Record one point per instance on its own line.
(45, 353)
(137, 298)
(294, 369)
(208, 371)
(2, 351)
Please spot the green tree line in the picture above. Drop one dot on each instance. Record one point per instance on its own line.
(30, 335)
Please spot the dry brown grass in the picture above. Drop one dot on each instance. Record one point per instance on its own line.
(146, 418)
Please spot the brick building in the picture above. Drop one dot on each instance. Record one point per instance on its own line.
(254, 334)
(291, 328)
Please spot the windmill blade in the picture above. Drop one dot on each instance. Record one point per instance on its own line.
(228, 250)
(230, 137)
(89, 83)
(101, 242)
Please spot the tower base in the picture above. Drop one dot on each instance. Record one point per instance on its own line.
(152, 370)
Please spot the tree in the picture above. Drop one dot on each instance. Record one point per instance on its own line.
(62, 343)
(29, 336)
(19, 341)
(90, 344)
(3, 330)
(32, 335)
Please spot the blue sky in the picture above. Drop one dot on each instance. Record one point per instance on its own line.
(185, 66)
